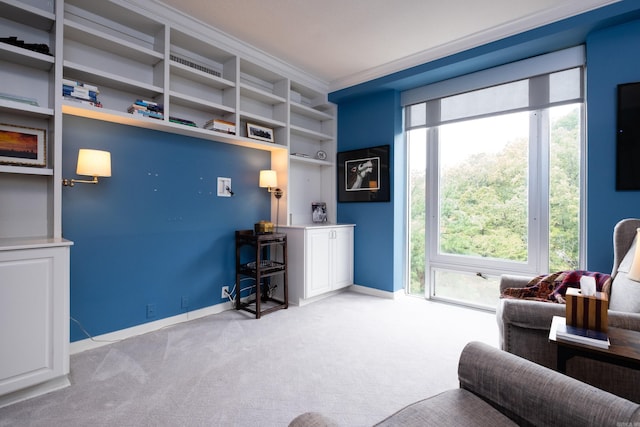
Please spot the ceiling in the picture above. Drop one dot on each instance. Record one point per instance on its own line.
(345, 42)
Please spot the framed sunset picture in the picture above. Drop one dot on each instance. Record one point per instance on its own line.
(22, 146)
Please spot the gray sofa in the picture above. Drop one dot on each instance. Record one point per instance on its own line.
(524, 325)
(500, 389)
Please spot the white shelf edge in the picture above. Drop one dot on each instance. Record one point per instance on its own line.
(309, 111)
(26, 57)
(192, 100)
(25, 109)
(310, 160)
(260, 95)
(261, 119)
(26, 170)
(310, 133)
(18, 243)
(165, 126)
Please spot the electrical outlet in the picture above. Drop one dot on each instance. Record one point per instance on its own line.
(151, 310)
(185, 302)
(225, 292)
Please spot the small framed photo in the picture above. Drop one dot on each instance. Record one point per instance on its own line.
(363, 175)
(22, 146)
(319, 212)
(259, 132)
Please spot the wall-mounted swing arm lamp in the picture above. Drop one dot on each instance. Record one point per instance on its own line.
(93, 163)
(269, 180)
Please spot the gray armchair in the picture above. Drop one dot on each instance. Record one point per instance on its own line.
(524, 324)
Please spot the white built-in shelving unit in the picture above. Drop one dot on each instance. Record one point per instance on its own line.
(141, 49)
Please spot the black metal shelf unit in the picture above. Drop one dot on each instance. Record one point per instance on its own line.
(269, 260)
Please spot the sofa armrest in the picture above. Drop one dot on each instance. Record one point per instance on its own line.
(528, 313)
(531, 394)
(622, 319)
(513, 281)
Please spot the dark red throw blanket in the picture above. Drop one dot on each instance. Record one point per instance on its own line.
(553, 287)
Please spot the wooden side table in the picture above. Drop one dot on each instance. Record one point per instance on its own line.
(269, 260)
(624, 349)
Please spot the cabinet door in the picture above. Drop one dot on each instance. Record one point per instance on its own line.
(33, 317)
(342, 257)
(318, 276)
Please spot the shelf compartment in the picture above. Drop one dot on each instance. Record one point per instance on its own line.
(128, 24)
(310, 112)
(15, 107)
(75, 71)
(26, 57)
(96, 39)
(297, 130)
(26, 14)
(192, 74)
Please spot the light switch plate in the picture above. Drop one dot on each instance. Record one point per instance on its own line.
(224, 187)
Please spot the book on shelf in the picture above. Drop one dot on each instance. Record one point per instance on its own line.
(220, 126)
(83, 101)
(77, 84)
(180, 121)
(577, 335)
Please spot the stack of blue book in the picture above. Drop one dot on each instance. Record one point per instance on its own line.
(145, 108)
(82, 93)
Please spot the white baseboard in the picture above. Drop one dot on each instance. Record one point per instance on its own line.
(377, 292)
(35, 390)
(102, 340)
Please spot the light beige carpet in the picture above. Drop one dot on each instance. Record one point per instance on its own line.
(354, 357)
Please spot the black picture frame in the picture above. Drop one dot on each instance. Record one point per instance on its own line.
(363, 175)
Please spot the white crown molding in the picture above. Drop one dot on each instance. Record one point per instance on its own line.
(512, 28)
(180, 20)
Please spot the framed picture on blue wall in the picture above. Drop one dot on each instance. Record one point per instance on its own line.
(363, 175)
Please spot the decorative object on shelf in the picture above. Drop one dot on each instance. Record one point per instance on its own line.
(35, 47)
(363, 175)
(22, 146)
(93, 163)
(319, 212)
(259, 132)
(18, 98)
(321, 155)
(263, 227)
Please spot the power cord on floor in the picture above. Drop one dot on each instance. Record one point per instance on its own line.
(89, 335)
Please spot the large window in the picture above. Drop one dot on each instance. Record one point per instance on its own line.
(494, 174)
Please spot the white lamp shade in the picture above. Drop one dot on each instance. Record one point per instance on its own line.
(94, 162)
(268, 178)
(634, 270)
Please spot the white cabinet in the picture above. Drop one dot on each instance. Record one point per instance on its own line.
(34, 317)
(320, 260)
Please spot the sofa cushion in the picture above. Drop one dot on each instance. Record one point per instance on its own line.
(625, 293)
(453, 407)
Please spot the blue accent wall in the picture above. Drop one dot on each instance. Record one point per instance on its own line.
(613, 57)
(370, 114)
(370, 121)
(155, 231)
